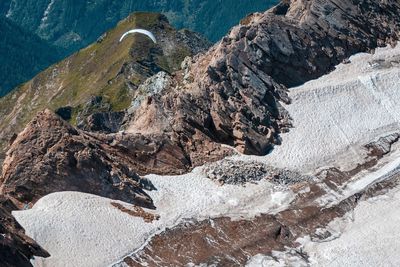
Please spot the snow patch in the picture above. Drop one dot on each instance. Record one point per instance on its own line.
(46, 14)
(334, 117)
(85, 230)
(10, 11)
(371, 240)
(337, 114)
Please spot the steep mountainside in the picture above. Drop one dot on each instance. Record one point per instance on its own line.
(70, 25)
(230, 95)
(73, 24)
(165, 108)
(23, 55)
(67, 150)
(107, 69)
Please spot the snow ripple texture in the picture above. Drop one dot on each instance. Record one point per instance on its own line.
(333, 116)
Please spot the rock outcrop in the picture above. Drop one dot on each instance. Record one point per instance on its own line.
(233, 93)
(16, 249)
(52, 156)
(107, 69)
(238, 172)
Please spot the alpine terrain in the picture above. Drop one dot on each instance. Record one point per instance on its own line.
(69, 25)
(23, 55)
(278, 145)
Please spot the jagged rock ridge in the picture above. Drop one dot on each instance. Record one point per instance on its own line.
(51, 156)
(232, 94)
(107, 69)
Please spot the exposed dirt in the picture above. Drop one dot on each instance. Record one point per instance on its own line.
(228, 242)
(137, 212)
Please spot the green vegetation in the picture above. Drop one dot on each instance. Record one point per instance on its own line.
(70, 25)
(22, 55)
(74, 24)
(105, 68)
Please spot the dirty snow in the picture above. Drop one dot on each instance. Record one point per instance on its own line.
(387, 168)
(372, 239)
(85, 230)
(333, 117)
(279, 259)
(367, 236)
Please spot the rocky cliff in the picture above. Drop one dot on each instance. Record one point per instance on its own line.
(230, 95)
(51, 156)
(15, 247)
(107, 71)
(233, 94)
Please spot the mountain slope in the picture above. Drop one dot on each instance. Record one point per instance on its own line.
(22, 55)
(70, 25)
(108, 69)
(229, 96)
(73, 24)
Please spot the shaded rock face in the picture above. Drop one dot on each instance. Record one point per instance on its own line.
(106, 122)
(107, 69)
(311, 37)
(52, 156)
(16, 249)
(230, 95)
(383, 145)
(64, 112)
(233, 93)
(97, 116)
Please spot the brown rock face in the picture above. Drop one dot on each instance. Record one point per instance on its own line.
(16, 249)
(52, 156)
(232, 94)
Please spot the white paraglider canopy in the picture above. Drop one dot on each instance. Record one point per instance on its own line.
(145, 32)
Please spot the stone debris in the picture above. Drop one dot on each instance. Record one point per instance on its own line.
(383, 145)
(242, 172)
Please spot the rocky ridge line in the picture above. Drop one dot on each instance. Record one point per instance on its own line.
(233, 93)
(230, 95)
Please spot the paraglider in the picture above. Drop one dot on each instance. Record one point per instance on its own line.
(145, 32)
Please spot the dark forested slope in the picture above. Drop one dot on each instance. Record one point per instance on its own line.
(74, 24)
(22, 55)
